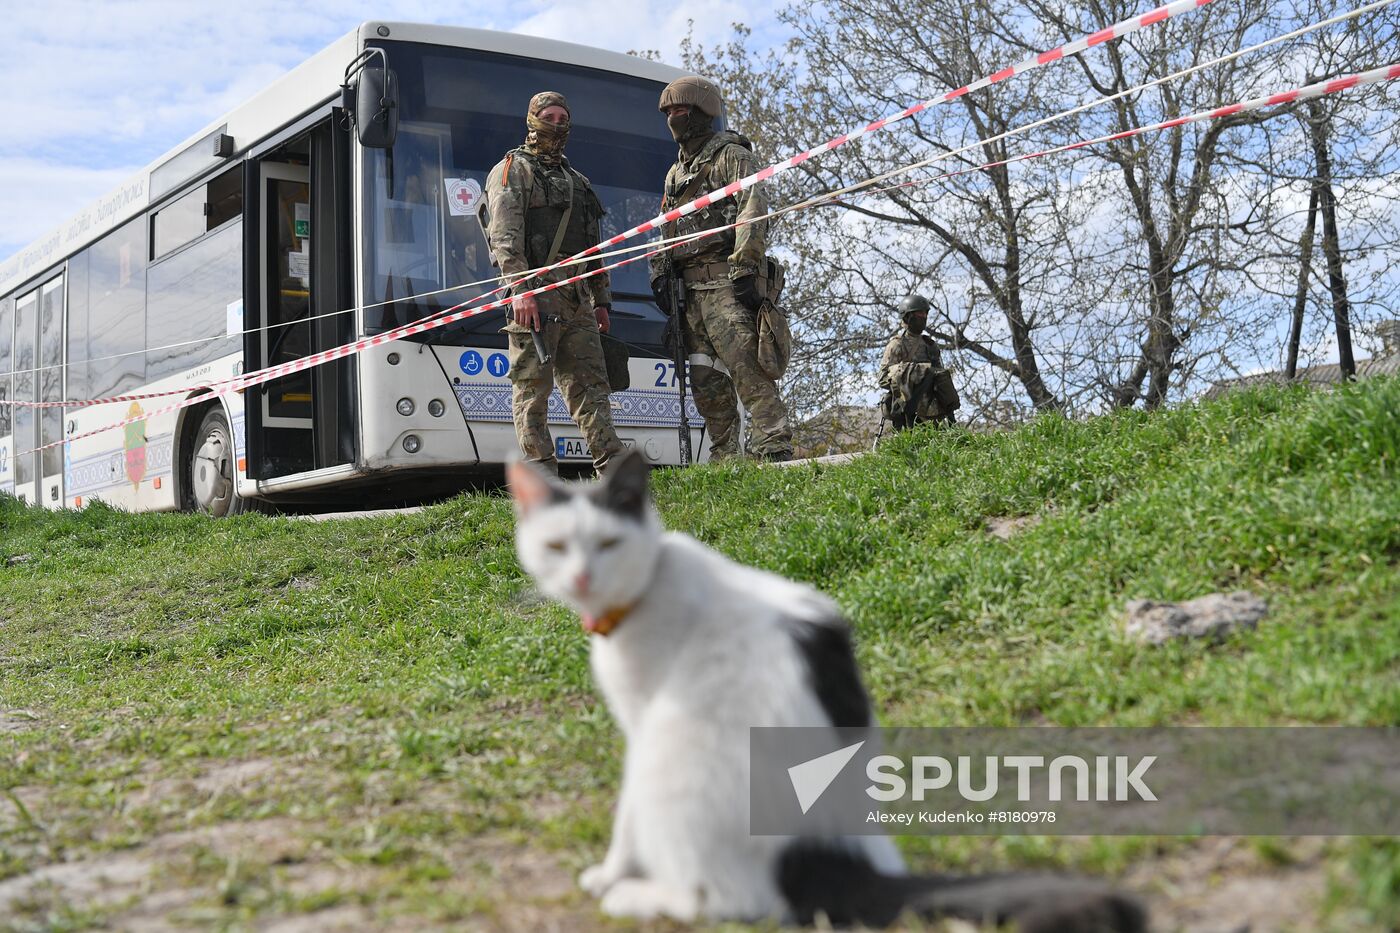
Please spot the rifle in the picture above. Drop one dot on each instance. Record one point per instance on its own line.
(678, 312)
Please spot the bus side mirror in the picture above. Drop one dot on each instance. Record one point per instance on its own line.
(371, 94)
(377, 108)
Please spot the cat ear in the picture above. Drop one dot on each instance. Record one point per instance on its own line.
(624, 488)
(530, 487)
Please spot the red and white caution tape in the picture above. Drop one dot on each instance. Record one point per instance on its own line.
(1116, 31)
(1307, 92)
(240, 383)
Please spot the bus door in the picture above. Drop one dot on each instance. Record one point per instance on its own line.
(26, 427)
(299, 279)
(38, 357)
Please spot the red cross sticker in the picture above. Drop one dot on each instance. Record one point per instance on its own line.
(463, 195)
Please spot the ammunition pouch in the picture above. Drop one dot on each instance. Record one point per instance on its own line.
(774, 334)
(946, 393)
(770, 279)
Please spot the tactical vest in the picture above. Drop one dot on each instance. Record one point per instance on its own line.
(560, 210)
(688, 183)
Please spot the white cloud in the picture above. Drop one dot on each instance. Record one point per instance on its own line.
(628, 25)
(36, 196)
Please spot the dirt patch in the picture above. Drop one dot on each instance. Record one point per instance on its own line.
(129, 879)
(215, 780)
(1006, 527)
(502, 884)
(22, 806)
(93, 882)
(1222, 885)
(18, 720)
(237, 775)
(333, 920)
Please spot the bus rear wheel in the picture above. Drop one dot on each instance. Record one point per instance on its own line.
(213, 484)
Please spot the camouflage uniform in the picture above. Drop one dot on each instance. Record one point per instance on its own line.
(720, 331)
(905, 366)
(526, 198)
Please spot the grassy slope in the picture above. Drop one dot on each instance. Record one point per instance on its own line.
(411, 706)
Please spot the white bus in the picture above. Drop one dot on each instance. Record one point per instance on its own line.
(233, 251)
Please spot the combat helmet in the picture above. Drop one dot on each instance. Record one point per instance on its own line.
(693, 91)
(913, 304)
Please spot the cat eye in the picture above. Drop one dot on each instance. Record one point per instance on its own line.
(608, 542)
(555, 545)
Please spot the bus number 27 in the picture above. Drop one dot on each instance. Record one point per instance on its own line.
(666, 375)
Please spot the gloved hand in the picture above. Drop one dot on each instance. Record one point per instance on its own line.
(746, 291)
(661, 291)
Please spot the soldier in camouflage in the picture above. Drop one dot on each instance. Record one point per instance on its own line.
(539, 210)
(917, 386)
(722, 291)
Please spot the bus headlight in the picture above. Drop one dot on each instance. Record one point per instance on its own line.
(435, 408)
(412, 443)
(405, 406)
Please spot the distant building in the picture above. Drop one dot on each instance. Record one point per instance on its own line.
(1387, 363)
(838, 429)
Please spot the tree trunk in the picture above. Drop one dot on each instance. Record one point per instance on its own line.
(1331, 248)
(1300, 300)
(1022, 344)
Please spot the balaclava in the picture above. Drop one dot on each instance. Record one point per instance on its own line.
(545, 140)
(693, 129)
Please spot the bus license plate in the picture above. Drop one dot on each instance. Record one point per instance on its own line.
(576, 448)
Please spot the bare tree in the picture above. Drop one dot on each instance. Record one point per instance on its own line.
(1137, 270)
(991, 248)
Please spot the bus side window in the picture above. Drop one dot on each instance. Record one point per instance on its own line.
(107, 319)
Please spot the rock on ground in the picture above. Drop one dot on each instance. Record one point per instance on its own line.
(1214, 616)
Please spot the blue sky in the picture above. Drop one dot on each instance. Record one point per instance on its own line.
(97, 90)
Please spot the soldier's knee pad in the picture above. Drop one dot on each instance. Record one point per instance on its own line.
(703, 361)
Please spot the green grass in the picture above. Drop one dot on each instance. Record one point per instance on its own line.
(423, 722)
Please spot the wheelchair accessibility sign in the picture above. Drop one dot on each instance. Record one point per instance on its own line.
(473, 363)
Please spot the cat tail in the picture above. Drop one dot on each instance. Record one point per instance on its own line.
(817, 879)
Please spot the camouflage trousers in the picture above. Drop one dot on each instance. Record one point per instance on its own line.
(717, 326)
(577, 366)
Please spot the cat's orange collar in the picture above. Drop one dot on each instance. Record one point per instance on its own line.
(605, 623)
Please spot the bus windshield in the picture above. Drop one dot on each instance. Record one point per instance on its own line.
(460, 111)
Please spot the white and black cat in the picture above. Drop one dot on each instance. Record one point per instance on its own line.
(693, 651)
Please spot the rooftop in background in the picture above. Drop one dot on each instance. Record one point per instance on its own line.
(837, 429)
(1387, 363)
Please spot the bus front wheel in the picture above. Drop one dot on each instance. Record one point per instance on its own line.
(213, 484)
